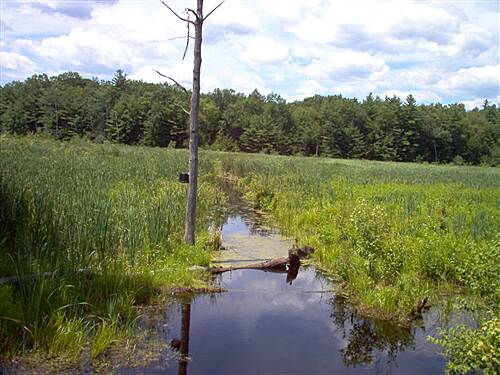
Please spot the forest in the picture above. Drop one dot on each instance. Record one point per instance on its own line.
(139, 113)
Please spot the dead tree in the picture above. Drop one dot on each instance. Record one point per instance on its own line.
(194, 137)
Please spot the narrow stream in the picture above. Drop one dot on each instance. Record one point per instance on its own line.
(270, 323)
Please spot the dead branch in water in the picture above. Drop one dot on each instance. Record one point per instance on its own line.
(278, 264)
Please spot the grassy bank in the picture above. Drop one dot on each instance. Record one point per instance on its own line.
(393, 233)
(108, 220)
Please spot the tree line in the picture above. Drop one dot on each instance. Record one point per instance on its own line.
(140, 113)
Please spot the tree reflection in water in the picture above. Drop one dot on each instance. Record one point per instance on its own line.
(184, 344)
(369, 340)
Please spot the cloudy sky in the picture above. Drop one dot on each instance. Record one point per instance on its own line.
(438, 50)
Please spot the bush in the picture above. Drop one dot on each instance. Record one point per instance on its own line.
(470, 350)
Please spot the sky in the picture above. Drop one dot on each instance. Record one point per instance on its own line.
(437, 50)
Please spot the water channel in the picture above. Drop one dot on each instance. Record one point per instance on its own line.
(275, 323)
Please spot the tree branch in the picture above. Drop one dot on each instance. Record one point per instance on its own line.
(213, 10)
(174, 81)
(183, 109)
(187, 39)
(179, 37)
(175, 13)
(192, 11)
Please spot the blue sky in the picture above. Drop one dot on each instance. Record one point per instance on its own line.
(445, 51)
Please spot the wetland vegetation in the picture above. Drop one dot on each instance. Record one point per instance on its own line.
(107, 221)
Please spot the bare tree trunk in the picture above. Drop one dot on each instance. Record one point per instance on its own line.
(194, 137)
(189, 229)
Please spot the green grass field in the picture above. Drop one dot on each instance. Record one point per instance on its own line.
(109, 220)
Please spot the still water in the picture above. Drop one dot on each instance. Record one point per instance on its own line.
(271, 323)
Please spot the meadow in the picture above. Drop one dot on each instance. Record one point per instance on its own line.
(109, 220)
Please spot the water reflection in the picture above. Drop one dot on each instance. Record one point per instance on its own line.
(239, 216)
(265, 325)
(269, 322)
(186, 322)
(366, 338)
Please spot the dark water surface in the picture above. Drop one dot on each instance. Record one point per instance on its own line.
(266, 325)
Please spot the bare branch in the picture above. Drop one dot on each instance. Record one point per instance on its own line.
(187, 40)
(183, 109)
(175, 14)
(192, 11)
(174, 81)
(213, 10)
(180, 37)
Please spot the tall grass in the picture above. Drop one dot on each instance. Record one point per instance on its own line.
(107, 221)
(392, 233)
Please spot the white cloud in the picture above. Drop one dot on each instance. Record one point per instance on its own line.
(15, 65)
(402, 18)
(310, 88)
(297, 48)
(475, 81)
(301, 52)
(22, 19)
(248, 82)
(12, 60)
(81, 47)
(289, 11)
(473, 39)
(233, 13)
(479, 102)
(343, 65)
(181, 72)
(264, 50)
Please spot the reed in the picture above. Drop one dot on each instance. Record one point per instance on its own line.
(391, 233)
(107, 221)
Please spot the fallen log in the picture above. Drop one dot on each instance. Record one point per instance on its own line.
(417, 311)
(278, 264)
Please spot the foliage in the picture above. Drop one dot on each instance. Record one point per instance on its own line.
(136, 112)
(391, 233)
(471, 350)
(107, 221)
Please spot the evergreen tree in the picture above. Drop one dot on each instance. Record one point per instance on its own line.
(135, 112)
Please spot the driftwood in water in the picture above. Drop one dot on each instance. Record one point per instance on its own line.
(275, 265)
